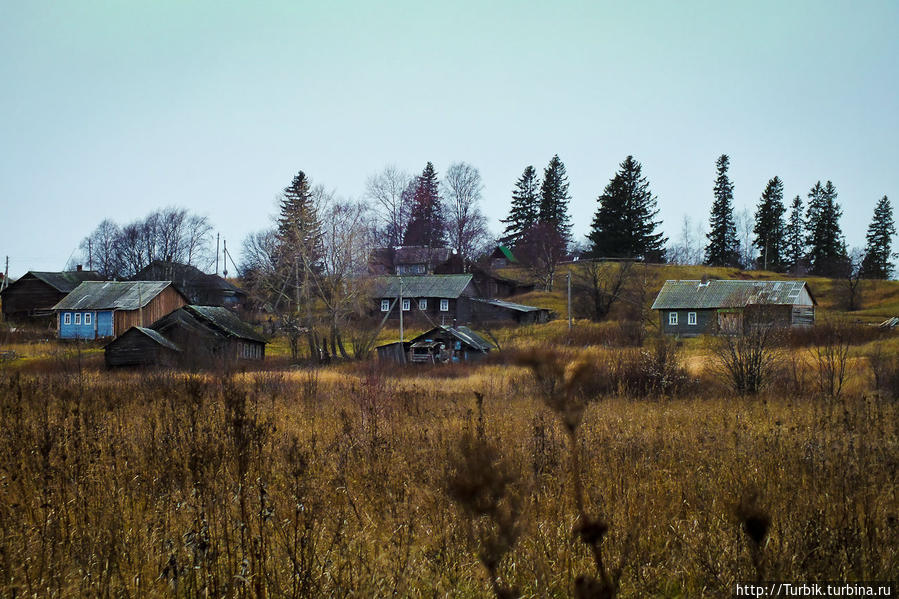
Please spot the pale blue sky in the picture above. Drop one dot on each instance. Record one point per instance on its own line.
(112, 109)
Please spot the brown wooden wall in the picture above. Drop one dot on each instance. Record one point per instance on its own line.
(27, 296)
(165, 303)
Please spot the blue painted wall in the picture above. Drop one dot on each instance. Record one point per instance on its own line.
(100, 324)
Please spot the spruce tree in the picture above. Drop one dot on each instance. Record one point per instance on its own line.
(794, 238)
(769, 226)
(624, 225)
(723, 248)
(827, 249)
(879, 242)
(553, 209)
(523, 212)
(299, 228)
(427, 225)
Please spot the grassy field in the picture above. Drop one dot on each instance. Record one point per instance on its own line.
(568, 465)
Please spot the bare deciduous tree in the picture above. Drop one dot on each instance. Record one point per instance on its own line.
(390, 193)
(688, 249)
(466, 223)
(100, 248)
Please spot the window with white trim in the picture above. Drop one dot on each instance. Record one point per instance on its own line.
(77, 317)
(87, 318)
(672, 318)
(691, 318)
(67, 318)
(407, 305)
(444, 305)
(422, 304)
(385, 305)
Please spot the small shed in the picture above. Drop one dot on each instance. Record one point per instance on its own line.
(141, 346)
(690, 308)
(487, 310)
(448, 344)
(396, 352)
(98, 309)
(35, 293)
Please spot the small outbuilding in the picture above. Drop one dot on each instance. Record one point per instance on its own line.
(209, 335)
(444, 344)
(689, 308)
(141, 346)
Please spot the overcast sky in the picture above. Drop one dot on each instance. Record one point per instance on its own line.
(113, 109)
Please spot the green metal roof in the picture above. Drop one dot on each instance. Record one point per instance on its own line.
(718, 293)
(111, 295)
(507, 252)
(437, 286)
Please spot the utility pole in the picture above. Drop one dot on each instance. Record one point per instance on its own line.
(90, 254)
(225, 251)
(400, 305)
(5, 283)
(140, 303)
(569, 300)
(217, 235)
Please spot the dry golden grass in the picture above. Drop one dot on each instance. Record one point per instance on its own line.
(333, 482)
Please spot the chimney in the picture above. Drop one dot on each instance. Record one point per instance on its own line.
(78, 268)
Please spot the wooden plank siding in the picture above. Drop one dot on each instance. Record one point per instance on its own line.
(30, 297)
(165, 303)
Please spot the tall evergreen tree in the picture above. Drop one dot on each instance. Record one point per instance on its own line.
(723, 248)
(524, 209)
(299, 228)
(794, 238)
(879, 242)
(826, 246)
(427, 225)
(769, 226)
(553, 209)
(624, 225)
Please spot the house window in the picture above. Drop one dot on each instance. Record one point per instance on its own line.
(77, 317)
(422, 304)
(67, 318)
(87, 318)
(385, 305)
(407, 305)
(444, 305)
(691, 317)
(672, 318)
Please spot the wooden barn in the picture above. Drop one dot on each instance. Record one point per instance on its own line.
(35, 293)
(198, 287)
(190, 337)
(689, 308)
(98, 309)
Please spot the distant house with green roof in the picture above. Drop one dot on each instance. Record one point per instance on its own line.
(502, 256)
(689, 308)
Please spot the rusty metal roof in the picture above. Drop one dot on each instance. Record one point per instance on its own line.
(717, 293)
(112, 295)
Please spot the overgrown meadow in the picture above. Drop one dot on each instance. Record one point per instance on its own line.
(550, 470)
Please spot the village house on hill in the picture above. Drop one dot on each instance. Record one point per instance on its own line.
(97, 309)
(198, 287)
(35, 293)
(434, 298)
(415, 260)
(714, 306)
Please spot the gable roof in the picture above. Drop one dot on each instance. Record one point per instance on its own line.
(438, 286)
(505, 252)
(463, 334)
(718, 293)
(184, 275)
(64, 281)
(224, 320)
(508, 305)
(413, 254)
(153, 335)
(112, 295)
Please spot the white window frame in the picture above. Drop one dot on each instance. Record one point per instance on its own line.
(77, 318)
(385, 305)
(67, 318)
(87, 318)
(407, 305)
(672, 319)
(444, 305)
(423, 304)
(691, 318)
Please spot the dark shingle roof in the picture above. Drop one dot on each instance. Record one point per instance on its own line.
(464, 334)
(184, 275)
(441, 286)
(727, 294)
(225, 321)
(421, 255)
(112, 295)
(155, 336)
(65, 281)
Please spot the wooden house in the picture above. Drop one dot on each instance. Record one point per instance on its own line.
(414, 260)
(35, 293)
(689, 308)
(431, 299)
(190, 337)
(199, 288)
(502, 256)
(98, 309)
(440, 345)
